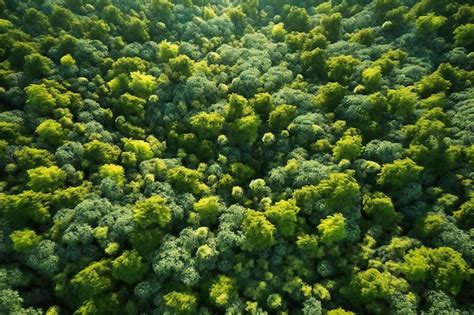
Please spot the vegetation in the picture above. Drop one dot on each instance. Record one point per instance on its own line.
(236, 157)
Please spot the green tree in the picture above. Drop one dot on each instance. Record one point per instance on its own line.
(340, 192)
(444, 265)
(181, 66)
(152, 211)
(207, 125)
(281, 116)
(222, 290)
(92, 280)
(364, 36)
(167, 50)
(24, 240)
(371, 285)
(39, 98)
(278, 32)
(399, 173)
(380, 207)
(330, 95)
(129, 267)
(372, 78)
(136, 30)
(284, 215)
(26, 207)
(180, 303)
(184, 179)
(50, 131)
(37, 66)
(402, 101)
(464, 34)
(428, 25)
(67, 60)
(340, 68)
(141, 149)
(46, 179)
(314, 62)
(259, 232)
(113, 171)
(333, 229)
(245, 129)
(209, 208)
(262, 104)
(332, 25)
(296, 19)
(142, 85)
(130, 105)
(97, 152)
(348, 147)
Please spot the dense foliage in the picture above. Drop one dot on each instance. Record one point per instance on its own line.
(237, 157)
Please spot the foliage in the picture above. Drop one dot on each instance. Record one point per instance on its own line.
(236, 157)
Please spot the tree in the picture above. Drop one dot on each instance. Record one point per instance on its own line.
(245, 129)
(402, 101)
(340, 68)
(364, 36)
(465, 214)
(463, 35)
(129, 267)
(399, 173)
(331, 25)
(281, 116)
(278, 32)
(46, 179)
(152, 211)
(180, 303)
(330, 95)
(186, 180)
(444, 265)
(296, 19)
(130, 105)
(428, 25)
(333, 229)
(235, 108)
(262, 104)
(92, 280)
(372, 285)
(209, 208)
(39, 98)
(181, 66)
(97, 152)
(142, 85)
(431, 84)
(24, 240)
(113, 171)
(372, 78)
(26, 207)
(167, 50)
(141, 149)
(50, 131)
(222, 290)
(259, 232)
(348, 147)
(37, 65)
(340, 192)
(19, 51)
(135, 30)
(284, 215)
(380, 207)
(314, 62)
(207, 125)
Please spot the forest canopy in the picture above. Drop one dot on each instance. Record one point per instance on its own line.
(236, 157)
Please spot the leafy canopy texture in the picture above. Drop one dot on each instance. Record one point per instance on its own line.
(255, 157)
